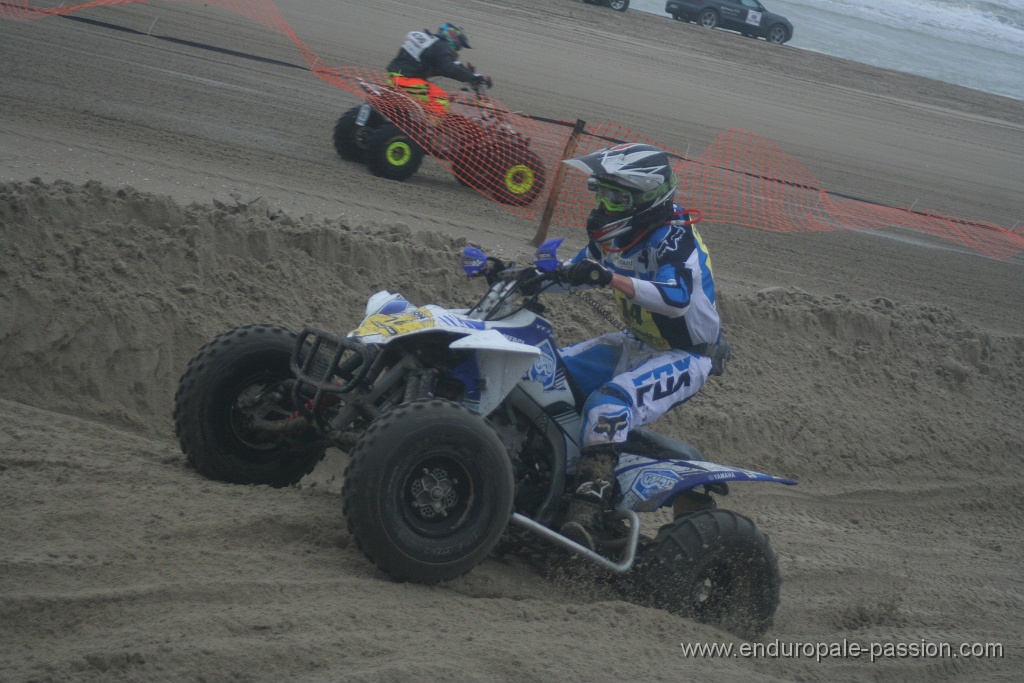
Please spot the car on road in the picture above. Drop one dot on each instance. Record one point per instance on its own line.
(749, 17)
(617, 5)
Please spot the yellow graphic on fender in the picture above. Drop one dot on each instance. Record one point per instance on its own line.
(394, 325)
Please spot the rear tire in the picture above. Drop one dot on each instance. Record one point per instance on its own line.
(392, 154)
(345, 136)
(428, 491)
(212, 417)
(714, 566)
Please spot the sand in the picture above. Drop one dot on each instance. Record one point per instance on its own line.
(155, 192)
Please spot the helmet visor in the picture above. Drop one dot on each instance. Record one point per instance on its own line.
(612, 199)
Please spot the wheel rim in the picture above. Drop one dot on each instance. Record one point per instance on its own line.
(246, 407)
(360, 135)
(711, 597)
(707, 20)
(399, 153)
(438, 496)
(777, 35)
(520, 179)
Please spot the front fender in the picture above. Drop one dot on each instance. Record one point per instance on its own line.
(647, 484)
(501, 363)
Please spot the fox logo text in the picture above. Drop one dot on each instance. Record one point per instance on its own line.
(662, 382)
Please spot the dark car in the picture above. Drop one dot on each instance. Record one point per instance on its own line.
(749, 17)
(617, 5)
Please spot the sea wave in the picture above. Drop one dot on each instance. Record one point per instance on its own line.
(975, 43)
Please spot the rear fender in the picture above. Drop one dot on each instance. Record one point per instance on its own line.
(647, 484)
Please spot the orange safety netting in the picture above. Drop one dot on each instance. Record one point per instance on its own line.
(514, 158)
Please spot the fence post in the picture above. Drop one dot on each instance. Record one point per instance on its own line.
(556, 184)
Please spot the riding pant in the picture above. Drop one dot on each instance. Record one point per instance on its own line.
(629, 384)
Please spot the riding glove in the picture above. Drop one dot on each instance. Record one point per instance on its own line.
(588, 272)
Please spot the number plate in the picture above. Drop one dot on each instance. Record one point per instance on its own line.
(363, 116)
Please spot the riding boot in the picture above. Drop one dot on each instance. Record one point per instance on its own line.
(595, 488)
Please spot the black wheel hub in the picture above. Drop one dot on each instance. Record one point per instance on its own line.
(438, 496)
(252, 402)
(710, 597)
(434, 493)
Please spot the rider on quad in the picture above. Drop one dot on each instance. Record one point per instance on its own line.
(646, 249)
(425, 55)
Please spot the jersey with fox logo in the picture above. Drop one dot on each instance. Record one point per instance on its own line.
(674, 303)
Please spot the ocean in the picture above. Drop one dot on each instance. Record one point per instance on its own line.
(975, 43)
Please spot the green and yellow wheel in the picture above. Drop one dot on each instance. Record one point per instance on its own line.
(392, 154)
(519, 176)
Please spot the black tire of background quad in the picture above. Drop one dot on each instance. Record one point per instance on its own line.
(499, 160)
(376, 157)
(619, 5)
(464, 172)
(467, 169)
(206, 393)
(708, 18)
(777, 30)
(670, 569)
(345, 137)
(380, 465)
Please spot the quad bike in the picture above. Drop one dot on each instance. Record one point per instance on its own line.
(462, 432)
(391, 132)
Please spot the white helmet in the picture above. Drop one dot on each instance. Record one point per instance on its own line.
(634, 187)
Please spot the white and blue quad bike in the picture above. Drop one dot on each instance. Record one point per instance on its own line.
(462, 431)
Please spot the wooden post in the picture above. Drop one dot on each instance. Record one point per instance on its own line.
(556, 185)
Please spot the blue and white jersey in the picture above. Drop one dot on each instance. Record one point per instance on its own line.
(674, 304)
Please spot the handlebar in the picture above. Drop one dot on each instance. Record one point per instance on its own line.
(530, 277)
(507, 283)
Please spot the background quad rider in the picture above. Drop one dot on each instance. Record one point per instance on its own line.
(425, 55)
(642, 245)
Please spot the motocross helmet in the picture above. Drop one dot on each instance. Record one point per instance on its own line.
(634, 187)
(454, 36)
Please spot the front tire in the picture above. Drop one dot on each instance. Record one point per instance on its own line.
(777, 34)
(392, 154)
(428, 491)
(619, 5)
(230, 381)
(708, 18)
(714, 566)
(514, 175)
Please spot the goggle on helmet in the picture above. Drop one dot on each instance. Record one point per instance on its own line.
(610, 198)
